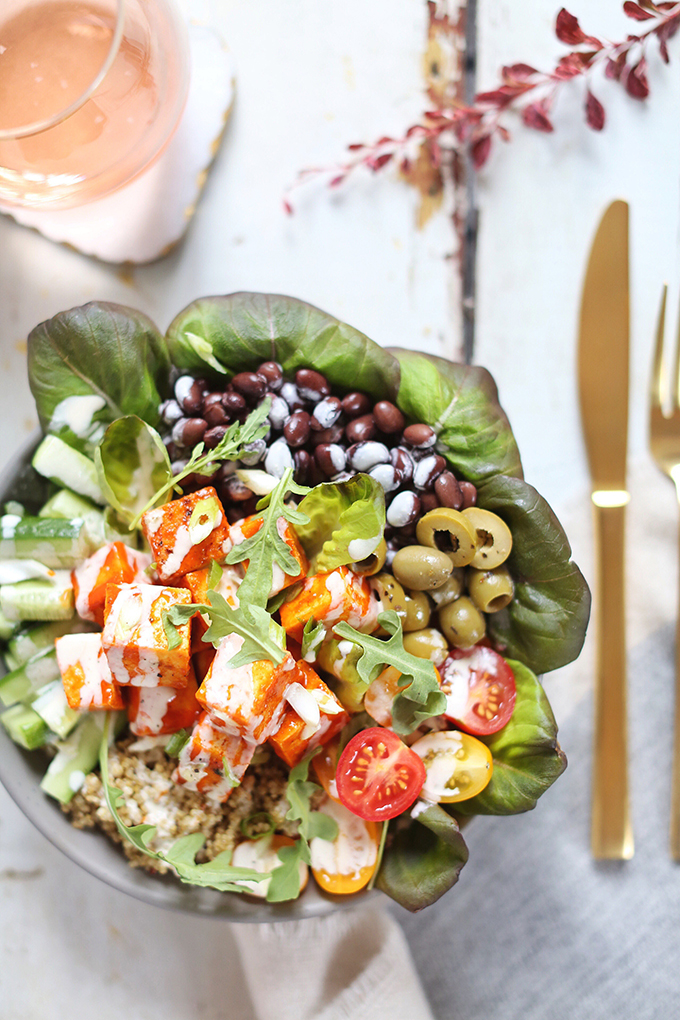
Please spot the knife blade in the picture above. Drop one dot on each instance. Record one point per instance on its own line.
(603, 379)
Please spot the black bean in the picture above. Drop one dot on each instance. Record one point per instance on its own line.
(356, 404)
(273, 373)
(279, 412)
(448, 490)
(332, 435)
(388, 417)
(297, 428)
(428, 501)
(427, 471)
(250, 384)
(171, 412)
(330, 458)
(215, 414)
(326, 413)
(236, 490)
(311, 384)
(233, 402)
(419, 436)
(361, 429)
(469, 492)
(364, 456)
(404, 509)
(403, 464)
(213, 436)
(189, 431)
(189, 395)
(289, 392)
(303, 462)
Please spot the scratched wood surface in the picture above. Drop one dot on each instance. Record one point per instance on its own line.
(347, 72)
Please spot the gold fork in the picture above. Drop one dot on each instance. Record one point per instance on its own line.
(664, 441)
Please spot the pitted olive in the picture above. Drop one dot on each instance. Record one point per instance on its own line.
(450, 590)
(421, 568)
(374, 563)
(390, 593)
(490, 590)
(462, 623)
(494, 540)
(428, 643)
(417, 610)
(450, 532)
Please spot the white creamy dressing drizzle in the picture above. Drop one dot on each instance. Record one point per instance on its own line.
(260, 855)
(456, 676)
(203, 757)
(76, 413)
(153, 705)
(133, 621)
(82, 653)
(352, 850)
(87, 575)
(360, 548)
(12, 571)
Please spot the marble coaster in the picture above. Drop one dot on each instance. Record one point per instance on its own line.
(145, 219)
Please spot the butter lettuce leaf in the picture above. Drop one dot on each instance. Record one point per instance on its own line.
(423, 859)
(132, 464)
(545, 624)
(526, 756)
(461, 403)
(346, 522)
(234, 333)
(90, 365)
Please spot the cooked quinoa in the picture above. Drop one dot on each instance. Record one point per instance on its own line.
(149, 795)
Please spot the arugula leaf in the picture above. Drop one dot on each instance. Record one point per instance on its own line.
(263, 638)
(526, 756)
(424, 859)
(217, 873)
(422, 698)
(346, 522)
(106, 360)
(132, 464)
(285, 879)
(230, 447)
(237, 332)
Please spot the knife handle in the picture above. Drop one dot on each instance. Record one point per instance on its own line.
(611, 834)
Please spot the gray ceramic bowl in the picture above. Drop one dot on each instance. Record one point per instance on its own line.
(21, 772)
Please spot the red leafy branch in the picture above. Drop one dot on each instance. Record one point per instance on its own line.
(475, 127)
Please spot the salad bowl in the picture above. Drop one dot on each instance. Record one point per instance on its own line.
(125, 368)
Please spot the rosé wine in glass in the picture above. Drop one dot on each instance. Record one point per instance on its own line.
(91, 92)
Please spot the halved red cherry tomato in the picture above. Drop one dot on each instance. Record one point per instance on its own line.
(480, 689)
(378, 776)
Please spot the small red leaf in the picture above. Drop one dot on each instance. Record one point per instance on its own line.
(480, 151)
(288, 207)
(355, 146)
(376, 162)
(636, 12)
(415, 129)
(568, 29)
(336, 181)
(504, 95)
(568, 67)
(614, 68)
(517, 72)
(594, 112)
(637, 85)
(663, 50)
(386, 140)
(405, 165)
(503, 132)
(534, 116)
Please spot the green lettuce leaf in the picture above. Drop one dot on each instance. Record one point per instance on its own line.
(132, 464)
(461, 403)
(526, 756)
(237, 332)
(346, 522)
(423, 860)
(544, 626)
(106, 360)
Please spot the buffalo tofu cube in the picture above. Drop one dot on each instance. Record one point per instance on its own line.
(152, 711)
(198, 583)
(248, 527)
(213, 761)
(187, 533)
(85, 673)
(134, 637)
(329, 598)
(246, 700)
(312, 717)
(112, 563)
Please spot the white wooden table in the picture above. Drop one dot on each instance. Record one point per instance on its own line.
(309, 82)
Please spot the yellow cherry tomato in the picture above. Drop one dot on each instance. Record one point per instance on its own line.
(347, 863)
(458, 766)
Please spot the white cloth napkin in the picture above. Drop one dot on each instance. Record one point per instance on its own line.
(353, 965)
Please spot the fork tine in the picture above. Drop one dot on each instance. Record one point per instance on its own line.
(658, 369)
(676, 368)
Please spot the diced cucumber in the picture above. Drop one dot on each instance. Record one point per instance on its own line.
(27, 679)
(39, 600)
(77, 756)
(25, 726)
(7, 627)
(28, 641)
(101, 526)
(51, 705)
(67, 504)
(53, 542)
(56, 460)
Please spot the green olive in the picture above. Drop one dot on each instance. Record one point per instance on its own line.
(390, 593)
(429, 643)
(450, 590)
(490, 590)
(494, 540)
(462, 622)
(417, 611)
(421, 568)
(450, 532)
(373, 563)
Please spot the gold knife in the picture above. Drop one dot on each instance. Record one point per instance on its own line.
(603, 389)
